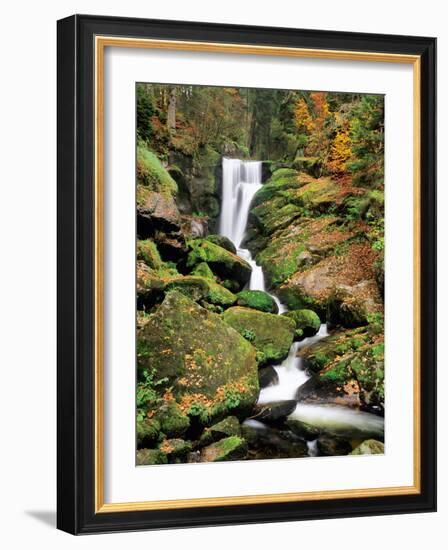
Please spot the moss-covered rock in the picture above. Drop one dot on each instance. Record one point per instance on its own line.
(307, 322)
(257, 299)
(146, 457)
(150, 286)
(302, 429)
(209, 367)
(352, 269)
(229, 448)
(223, 263)
(350, 370)
(175, 449)
(369, 447)
(350, 306)
(151, 174)
(147, 252)
(271, 335)
(203, 270)
(201, 289)
(172, 420)
(222, 241)
(228, 427)
(148, 431)
(310, 165)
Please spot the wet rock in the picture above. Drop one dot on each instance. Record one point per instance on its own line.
(302, 429)
(271, 412)
(332, 446)
(273, 443)
(230, 448)
(267, 376)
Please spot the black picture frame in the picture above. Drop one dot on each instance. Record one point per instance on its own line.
(76, 272)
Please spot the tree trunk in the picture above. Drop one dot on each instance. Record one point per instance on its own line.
(171, 117)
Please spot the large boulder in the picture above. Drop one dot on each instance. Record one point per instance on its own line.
(267, 442)
(156, 212)
(223, 263)
(210, 370)
(223, 242)
(229, 448)
(257, 299)
(351, 306)
(277, 410)
(349, 370)
(271, 335)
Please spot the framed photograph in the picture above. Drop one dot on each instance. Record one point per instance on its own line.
(247, 274)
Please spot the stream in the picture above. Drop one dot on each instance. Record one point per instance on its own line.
(241, 180)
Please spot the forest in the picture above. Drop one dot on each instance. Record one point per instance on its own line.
(260, 273)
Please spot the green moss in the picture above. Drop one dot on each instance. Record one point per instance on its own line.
(151, 173)
(273, 334)
(307, 321)
(284, 174)
(147, 457)
(173, 422)
(223, 263)
(230, 426)
(229, 448)
(202, 270)
(175, 449)
(147, 252)
(257, 299)
(222, 241)
(148, 430)
(201, 289)
(211, 369)
(337, 374)
(295, 298)
(369, 447)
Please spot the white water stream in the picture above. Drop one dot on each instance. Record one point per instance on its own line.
(241, 180)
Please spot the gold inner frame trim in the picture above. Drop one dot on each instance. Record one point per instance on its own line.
(101, 42)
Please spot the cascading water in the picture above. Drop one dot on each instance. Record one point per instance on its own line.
(241, 180)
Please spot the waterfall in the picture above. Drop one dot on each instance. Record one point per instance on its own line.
(241, 180)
